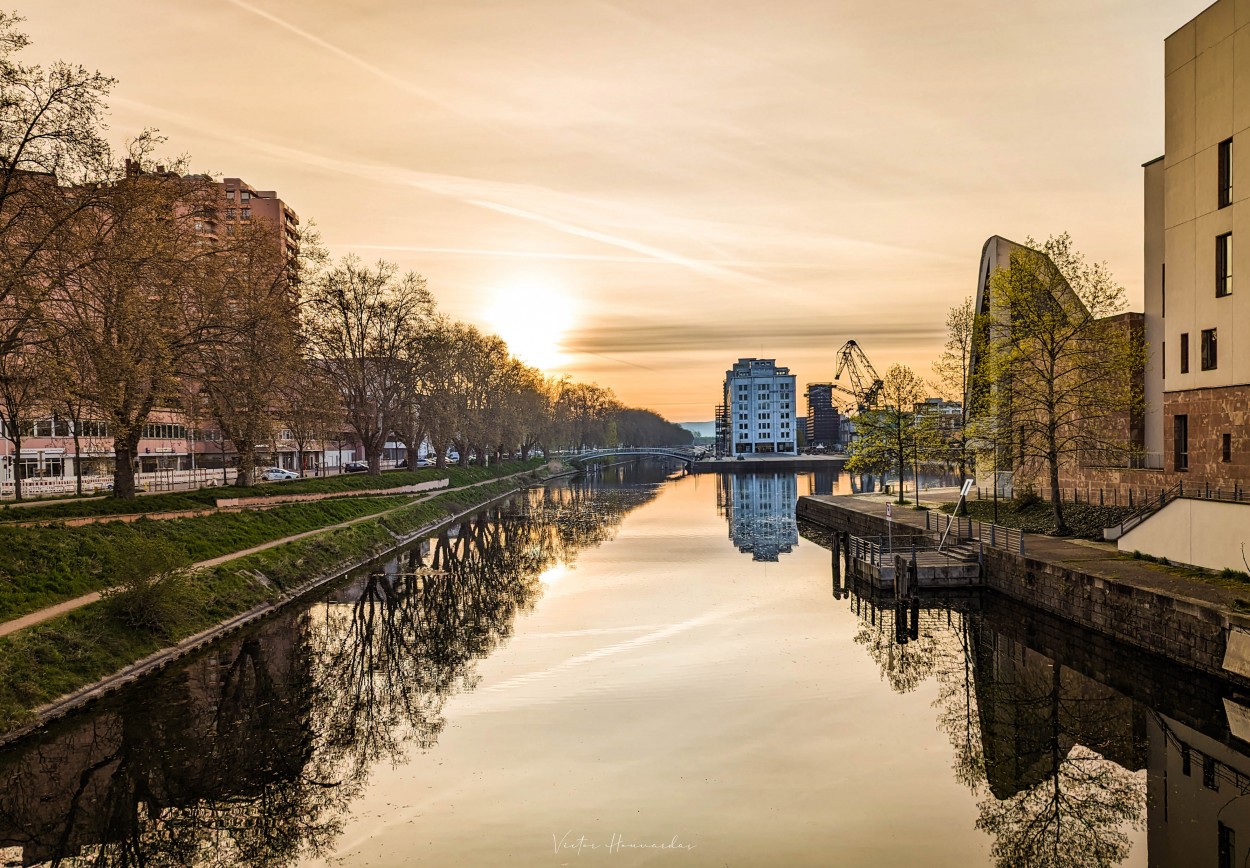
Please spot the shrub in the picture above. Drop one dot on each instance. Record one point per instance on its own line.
(153, 590)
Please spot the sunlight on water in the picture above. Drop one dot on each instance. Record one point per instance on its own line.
(649, 671)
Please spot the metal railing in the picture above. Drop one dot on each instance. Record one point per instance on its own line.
(964, 529)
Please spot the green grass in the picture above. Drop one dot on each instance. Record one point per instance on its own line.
(1085, 521)
(64, 654)
(41, 566)
(207, 497)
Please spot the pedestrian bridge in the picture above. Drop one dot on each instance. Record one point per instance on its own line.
(687, 455)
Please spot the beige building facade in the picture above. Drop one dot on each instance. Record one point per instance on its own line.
(1197, 252)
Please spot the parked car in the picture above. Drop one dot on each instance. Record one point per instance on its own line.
(424, 462)
(355, 467)
(453, 457)
(277, 474)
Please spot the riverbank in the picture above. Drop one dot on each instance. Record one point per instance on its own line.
(71, 660)
(1144, 605)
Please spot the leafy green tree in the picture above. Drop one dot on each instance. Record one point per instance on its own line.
(893, 435)
(1064, 374)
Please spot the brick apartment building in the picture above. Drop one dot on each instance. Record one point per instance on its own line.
(170, 445)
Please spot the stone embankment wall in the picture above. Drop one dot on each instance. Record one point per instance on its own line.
(1189, 631)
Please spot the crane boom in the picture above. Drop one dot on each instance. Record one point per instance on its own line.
(865, 383)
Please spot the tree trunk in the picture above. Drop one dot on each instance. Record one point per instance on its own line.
(902, 469)
(1056, 496)
(127, 451)
(15, 437)
(77, 459)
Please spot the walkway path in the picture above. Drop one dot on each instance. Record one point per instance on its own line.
(32, 618)
(1096, 558)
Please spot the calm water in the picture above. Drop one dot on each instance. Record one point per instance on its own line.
(643, 671)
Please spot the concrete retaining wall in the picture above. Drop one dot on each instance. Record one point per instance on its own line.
(1203, 533)
(1189, 631)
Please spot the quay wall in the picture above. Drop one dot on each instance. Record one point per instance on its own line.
(1192, 632)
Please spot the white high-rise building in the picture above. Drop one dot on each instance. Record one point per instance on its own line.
(759, 403)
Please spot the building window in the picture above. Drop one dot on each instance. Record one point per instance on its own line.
(245, 195)
(1185, 760)
(1209, 358)
(245, 213)
(1226, 173)
(1185, 353)
(1208, 774)
(1163, 290)
(230, 195)
(1224, 265)
(1163, 359)
(1226, 448)
(1180, 438)
(1226, 846)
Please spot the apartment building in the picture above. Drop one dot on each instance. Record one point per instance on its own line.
(243, 203)
(824, 421)
(1198, 380)
(759, 408)
(51, 455)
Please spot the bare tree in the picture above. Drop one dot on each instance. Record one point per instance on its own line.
(137, 298)
(361, 325)
(244, 373)
(952, 383)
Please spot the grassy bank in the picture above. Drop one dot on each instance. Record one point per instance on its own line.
(59, 656)
(42, 566)
(1085, 520)
(207, 497)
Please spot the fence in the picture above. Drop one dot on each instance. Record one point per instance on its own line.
(963, 529)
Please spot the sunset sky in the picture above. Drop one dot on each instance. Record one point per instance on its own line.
(638, 193)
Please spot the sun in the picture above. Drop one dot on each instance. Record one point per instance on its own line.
(533, 318)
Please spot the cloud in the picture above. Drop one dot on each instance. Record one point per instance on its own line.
(639, 336)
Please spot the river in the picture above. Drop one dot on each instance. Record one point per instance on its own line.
(644, 669)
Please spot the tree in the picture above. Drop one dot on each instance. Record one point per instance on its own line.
(361, 325)
(584, 412)
(889, 437)
(22, 386)
(135, 298)
(952, 370)
(313, 408)
(243, 374)
(1064, 375)
(50, 133)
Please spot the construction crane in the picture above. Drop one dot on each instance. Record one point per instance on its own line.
(865, 383)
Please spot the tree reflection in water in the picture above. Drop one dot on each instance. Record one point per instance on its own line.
(1052, 755)
(251, 754)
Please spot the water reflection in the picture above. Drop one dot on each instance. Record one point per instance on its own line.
(1067, 749)
(1052, 728)
(251, 754)
(759, 508)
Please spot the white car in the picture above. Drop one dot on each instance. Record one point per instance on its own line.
(277, 474)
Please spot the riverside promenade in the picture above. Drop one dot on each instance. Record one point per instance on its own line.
(1186, 619)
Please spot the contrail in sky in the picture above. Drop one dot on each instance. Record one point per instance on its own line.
(469, 191)
(341, 53)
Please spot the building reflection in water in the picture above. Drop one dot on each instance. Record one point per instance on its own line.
(759, 508)
(1069, 741)
(252, 753)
